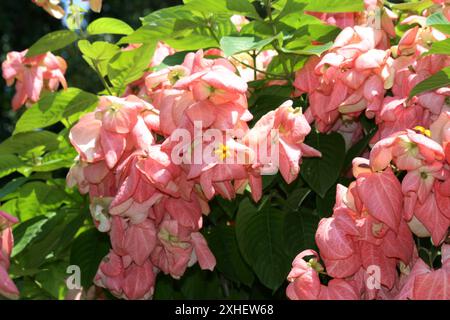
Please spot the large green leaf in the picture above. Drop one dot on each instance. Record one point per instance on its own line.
(223, 243)
(52, 41)
(334, 5)
(267, 99)
(9, 163)
(128, 66)
(54, 107)
(417, 6)
(260, 238)
(37, 197)
(299, 231)
(11, 186)
(165, 288)
(26, 232)
(436, 81)
(322, 173)
(308, 50)
(46, 241)
(295, 198)
(61, 158)
(87, 251)
(440, 22)
(243, 7)
(233, 45)
(440, 47)
(98, 50)
(23, 142)
(52, 278)
(98, 54)
(198, 284)
(110, 26)
(358, 148)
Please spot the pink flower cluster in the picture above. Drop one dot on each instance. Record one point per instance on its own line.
(7, 287)
(367, 245)
(362, 73)
(33, 75)
(151, 205)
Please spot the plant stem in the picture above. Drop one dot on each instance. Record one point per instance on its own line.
(102, 79)
(257, 70)
(255, 73)
(268, 5)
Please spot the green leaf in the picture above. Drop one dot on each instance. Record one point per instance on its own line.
(87, 251)
(9, 163)
(173, 60)
(29, 289)
(55, 106)
(98, 54)
(288, 7)
(299, 231)
(165, 288)
(260, 238)
(26, 232)
(51, 161)
(223, 243)
(128, 66)
(98, 50)
(12, 186)
(436, 81)
(43, 246)
(52, 278)
(310, 49)
(358, 148)
(24, 142)
(268, 99)
(52, 41)
(233, 45)
(109, 26)
(179, 13)
(417, 6)
(296, 198)
(334, 5)
(440, 22)
(440, 47)
(243, 7)
(322, 173)
(37, 197)
(198, 284)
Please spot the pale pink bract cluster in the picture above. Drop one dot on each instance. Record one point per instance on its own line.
(367, 245)
(362, 73)
(7, 287)
(33, 75)
(150, 205)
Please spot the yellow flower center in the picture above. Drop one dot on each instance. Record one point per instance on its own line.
(422, 130)
(222, 151)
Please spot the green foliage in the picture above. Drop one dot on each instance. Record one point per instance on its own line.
(88, 249)
(259, 233)
(52, 41)
(439, 22)
(334, 5)
(54, 107)
(436, 81)
(128, 66)
(110, 26)
(322, 173)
